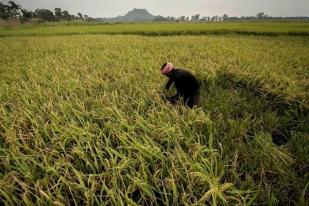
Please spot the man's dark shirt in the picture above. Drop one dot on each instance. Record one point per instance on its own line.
(185, 83)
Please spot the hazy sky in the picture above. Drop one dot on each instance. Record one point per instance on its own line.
(111, 8)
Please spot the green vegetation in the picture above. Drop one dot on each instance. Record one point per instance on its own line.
(15, 12)
(82, 121)
(159, 29)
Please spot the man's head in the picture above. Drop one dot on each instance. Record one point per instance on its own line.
(167, 68)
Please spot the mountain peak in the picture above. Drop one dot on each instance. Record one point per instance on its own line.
(136, 9)
(136, 15)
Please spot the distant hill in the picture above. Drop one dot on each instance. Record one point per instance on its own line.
(134, 15)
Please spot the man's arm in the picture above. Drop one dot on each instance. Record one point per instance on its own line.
(169, 83)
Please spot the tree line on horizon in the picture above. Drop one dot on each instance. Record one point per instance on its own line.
(225, 17)
(11, 10)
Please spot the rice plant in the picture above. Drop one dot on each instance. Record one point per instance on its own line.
(82, 121)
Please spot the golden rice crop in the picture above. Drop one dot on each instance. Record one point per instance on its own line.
(82, 121)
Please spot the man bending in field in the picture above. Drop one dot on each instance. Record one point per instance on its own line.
(186, 84)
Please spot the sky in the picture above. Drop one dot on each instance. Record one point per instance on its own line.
(176, 8)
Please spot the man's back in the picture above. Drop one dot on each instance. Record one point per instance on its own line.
(185, 82)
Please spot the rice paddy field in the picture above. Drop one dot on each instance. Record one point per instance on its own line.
(159, 29)
(82, 121)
